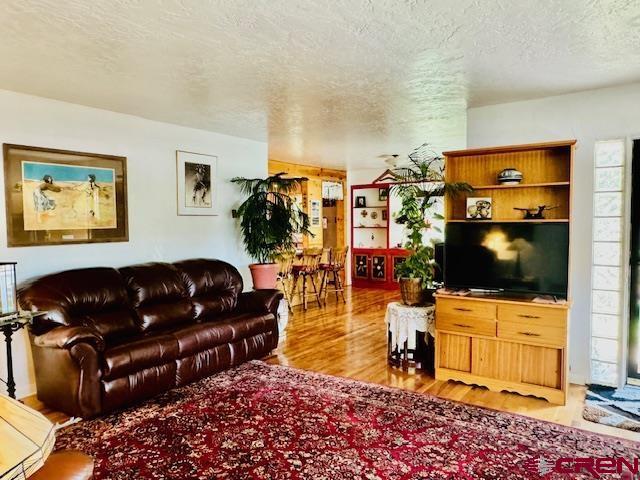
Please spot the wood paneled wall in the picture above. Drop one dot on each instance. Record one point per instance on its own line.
(313, 191)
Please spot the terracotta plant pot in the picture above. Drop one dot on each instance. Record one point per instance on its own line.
(264, 275)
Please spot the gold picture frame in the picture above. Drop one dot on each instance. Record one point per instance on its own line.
(56, 197)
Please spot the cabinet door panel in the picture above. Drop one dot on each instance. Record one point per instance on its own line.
(455, 352)
(379, 268)
(495, 359)
(542, 366)
(361, 266)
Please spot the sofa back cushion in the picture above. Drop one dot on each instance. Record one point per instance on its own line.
(158, 295)
(92, 297)
(213, 286)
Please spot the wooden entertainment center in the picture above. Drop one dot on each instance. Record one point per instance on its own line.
(506, 342)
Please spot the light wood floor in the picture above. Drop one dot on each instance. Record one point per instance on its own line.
(350, 341)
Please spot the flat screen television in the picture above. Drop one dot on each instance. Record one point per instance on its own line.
(511, 257)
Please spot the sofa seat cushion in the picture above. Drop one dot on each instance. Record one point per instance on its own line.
(230, 328)
(135, 355)
(114, 323)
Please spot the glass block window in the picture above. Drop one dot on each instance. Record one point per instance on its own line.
(608, 273)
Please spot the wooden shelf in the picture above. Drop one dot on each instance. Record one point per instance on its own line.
(375, 206)
(520, 220)
(383, 228)
(522, 185)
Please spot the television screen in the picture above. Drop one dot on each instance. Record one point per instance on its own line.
(514, 257)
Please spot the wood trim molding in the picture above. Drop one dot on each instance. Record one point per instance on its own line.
(509, 148)
(276, 166)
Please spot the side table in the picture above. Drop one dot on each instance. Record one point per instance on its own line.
(409, 329)
(10, 325)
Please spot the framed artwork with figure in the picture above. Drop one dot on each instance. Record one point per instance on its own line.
(58, 197)
(197, 175)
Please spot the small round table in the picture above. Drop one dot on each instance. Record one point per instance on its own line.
(408, 327)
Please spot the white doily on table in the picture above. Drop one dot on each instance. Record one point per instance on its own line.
(404, 321)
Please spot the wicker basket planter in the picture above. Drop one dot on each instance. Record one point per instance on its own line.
(413, 294)
(412, 291)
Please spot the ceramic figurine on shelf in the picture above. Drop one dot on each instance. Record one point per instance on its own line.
(364, 214)
(535, 213)
(509, 176)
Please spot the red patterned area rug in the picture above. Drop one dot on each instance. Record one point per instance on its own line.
(272, 422)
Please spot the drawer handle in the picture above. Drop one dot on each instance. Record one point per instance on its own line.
(460, 309)
(528, 316)
(463, 325)
(529, 334)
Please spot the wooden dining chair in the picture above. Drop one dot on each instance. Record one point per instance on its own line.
(334, 268)
(307, 269)
(285, 277)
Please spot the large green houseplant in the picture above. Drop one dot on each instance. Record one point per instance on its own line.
(269, 219)
(420, 183)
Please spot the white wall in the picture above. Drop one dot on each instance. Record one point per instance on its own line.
(156, 233)
(586, 116)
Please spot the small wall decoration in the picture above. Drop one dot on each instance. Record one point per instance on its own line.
(364, 214)
(361, 266)
(314, 216)
(197, 175)
(361, 202)
(383, 193)
(478, 208)
(374, 215)
(384, 214)
(378, 264)
(57, 196)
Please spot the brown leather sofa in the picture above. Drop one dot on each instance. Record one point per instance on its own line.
(111, 338)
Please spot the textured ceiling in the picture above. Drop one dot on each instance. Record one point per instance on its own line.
(327, 82)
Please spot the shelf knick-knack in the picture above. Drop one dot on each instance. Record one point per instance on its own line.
(509, 176)
(535, 213)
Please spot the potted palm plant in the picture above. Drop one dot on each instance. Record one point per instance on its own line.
(420, 183)
(269, 218)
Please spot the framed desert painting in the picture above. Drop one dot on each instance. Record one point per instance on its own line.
(197, 191)
(56, 197)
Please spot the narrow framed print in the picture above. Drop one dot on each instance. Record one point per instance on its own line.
(58, 197)
(197, 176)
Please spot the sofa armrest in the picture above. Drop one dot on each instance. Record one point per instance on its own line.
(260, 301)
(67, 337)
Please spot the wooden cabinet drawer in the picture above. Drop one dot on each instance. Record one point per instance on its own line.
(466, 308)
(529, 333)
(465, 324)
(533, 315)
